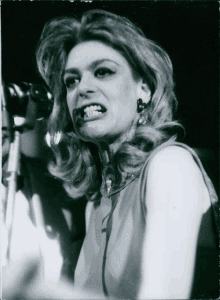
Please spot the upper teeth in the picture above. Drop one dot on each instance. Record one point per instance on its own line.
(92, 108)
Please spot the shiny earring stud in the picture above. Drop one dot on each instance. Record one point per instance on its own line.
(141, 106)
(141, 121)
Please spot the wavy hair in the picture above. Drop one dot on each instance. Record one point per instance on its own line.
(76, 162)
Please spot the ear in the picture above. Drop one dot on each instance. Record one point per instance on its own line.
(144, 91)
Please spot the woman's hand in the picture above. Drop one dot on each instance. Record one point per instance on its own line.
(22, 280)
(17, 276)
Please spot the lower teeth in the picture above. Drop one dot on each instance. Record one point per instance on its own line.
(91, 114)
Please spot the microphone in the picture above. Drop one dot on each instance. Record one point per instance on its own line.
(44, 99)
(17, 98)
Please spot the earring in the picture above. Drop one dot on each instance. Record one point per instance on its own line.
(141, 106)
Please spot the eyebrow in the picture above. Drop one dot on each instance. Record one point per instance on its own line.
(92, 65)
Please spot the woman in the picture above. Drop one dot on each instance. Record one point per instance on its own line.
(112, 131)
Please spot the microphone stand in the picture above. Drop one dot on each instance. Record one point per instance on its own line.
(24, 124)
(13, 166)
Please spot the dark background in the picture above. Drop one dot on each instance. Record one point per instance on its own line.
(188, 31)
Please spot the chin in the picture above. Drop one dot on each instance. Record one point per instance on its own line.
(91, 134)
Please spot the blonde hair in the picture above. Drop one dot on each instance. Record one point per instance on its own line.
(75, 161)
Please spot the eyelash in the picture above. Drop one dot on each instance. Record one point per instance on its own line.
(71, 81)
(105, 70)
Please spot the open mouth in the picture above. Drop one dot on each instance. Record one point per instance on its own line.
(91, 111)
(87, 113)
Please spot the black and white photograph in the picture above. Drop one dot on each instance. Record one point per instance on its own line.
(110, 150)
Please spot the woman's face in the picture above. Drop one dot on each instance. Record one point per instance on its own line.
(101, 93)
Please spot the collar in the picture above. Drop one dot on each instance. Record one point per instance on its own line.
(106, 189)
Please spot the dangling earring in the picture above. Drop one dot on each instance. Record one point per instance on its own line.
(141, 106)
(57, 138)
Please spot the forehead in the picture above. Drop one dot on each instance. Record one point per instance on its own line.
(88, 52)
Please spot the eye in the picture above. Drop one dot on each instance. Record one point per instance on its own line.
(70, 82)
(103, 72)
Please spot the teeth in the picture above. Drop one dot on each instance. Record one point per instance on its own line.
(92, 108)
(91, 113)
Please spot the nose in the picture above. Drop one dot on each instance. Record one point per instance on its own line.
(86, 86)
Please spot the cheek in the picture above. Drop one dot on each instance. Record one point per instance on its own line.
(128, 96)
(70, 104)
(128, 87)
(69, 108)
(128, 102)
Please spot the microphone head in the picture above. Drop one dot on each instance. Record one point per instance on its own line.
(16, 98)
(42, 96)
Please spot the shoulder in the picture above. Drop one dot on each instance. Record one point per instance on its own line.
(174, 174)
(173, 161)
(173, 152)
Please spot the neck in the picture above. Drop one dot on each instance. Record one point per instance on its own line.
(104, 153)
(107, 150)
(109, 147)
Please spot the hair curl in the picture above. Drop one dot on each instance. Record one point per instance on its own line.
(75, 162)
